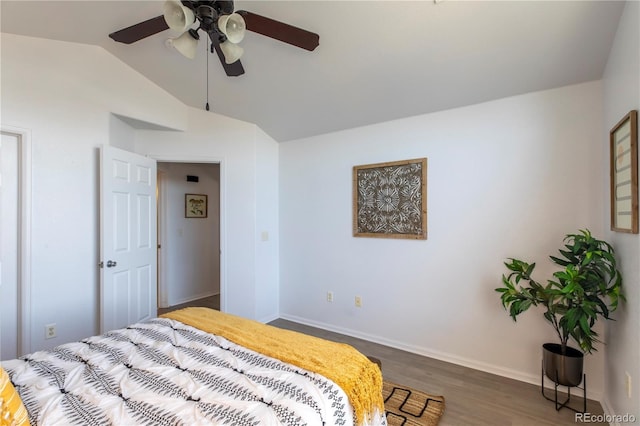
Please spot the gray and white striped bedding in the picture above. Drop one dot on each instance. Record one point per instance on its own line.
(163, 372)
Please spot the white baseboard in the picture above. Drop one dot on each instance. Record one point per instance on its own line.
(442, 356)
(269, 318)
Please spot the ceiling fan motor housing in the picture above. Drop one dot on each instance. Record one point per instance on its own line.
(208, 13)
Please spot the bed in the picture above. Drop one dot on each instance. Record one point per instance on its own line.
(197, 366)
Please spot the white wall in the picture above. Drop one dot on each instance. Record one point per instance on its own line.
(505, 178)
(65, 94)
(190, 246)
(267, 229)
(121, 134)
(622, 94)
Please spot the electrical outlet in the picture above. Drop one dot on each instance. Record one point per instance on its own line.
(329, 296)
(50, 331)
(628, 383)
(358, 302)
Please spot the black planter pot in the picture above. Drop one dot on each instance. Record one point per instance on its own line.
(565, 369)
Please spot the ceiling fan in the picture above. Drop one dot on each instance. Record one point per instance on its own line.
(224, 27)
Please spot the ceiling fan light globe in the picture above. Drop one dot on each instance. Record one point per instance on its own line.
(233, 27)
(232, 52)
(185, 44)
(178, 17)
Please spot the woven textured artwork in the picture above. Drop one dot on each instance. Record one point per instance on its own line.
(390, 199)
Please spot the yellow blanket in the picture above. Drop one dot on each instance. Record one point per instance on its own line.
(360, 379)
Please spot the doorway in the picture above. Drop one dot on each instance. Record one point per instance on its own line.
(189, 266)
(15, 248)
(9, 289)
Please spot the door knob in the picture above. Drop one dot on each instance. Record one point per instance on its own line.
(111, 263)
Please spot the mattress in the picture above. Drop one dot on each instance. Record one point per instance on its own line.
(166, 372)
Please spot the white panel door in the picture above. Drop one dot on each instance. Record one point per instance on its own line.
(8, 246)
(128, 273)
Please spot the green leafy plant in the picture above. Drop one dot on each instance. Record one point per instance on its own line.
(589, 286)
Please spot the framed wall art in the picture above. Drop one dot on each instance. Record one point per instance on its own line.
(195, 205)
(390, 200)
(623, 146)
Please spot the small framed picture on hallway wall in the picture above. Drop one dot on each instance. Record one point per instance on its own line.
(195, 205)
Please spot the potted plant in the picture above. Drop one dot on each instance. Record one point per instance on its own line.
(586, 288)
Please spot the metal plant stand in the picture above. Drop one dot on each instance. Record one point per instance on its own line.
(564, 404)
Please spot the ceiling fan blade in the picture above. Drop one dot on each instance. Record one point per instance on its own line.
(141, 30)
(233, 70)
(280, 31)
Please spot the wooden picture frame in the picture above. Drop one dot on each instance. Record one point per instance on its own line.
(390, 200)
(195, 206)
(623, 149)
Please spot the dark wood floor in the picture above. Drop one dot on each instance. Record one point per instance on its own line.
(473, 398)
(212, 302)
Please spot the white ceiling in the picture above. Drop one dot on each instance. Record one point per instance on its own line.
(377, 60)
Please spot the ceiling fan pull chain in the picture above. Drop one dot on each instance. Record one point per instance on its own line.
(206, 56)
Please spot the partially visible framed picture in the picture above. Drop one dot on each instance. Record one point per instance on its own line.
(623, 140)
(195, 205)
(390, 200)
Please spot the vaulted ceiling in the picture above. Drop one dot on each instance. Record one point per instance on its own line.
(377, 60)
